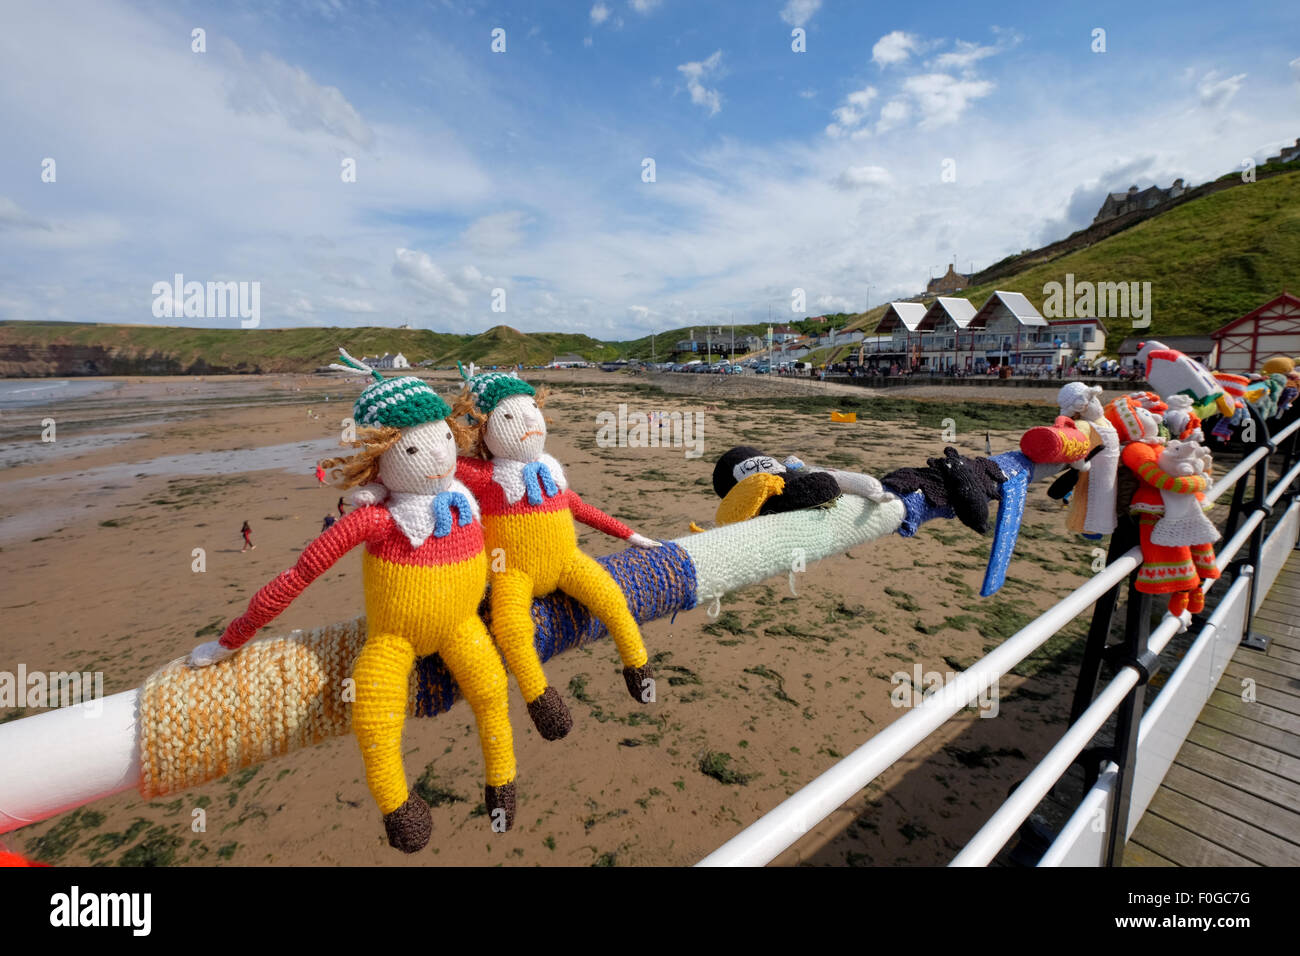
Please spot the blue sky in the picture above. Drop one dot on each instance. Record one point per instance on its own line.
(522, 170)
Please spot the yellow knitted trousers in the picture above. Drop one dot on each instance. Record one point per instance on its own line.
(582, 578)
(418, 611)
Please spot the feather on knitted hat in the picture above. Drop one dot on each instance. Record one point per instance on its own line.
(489, 388)
(393, 402)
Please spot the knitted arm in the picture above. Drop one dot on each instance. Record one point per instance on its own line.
(344, 535)
(594, 517)
(1141, 459)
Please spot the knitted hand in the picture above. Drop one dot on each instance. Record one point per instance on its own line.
(210, 653)
(641, 541)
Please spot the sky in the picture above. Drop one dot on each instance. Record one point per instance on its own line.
(612, 168)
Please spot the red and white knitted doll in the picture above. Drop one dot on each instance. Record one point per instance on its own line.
(424, 571)
(528, 514)
(1175, 557)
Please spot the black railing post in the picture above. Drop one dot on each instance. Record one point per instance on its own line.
(1124, 538)
(1137, 653)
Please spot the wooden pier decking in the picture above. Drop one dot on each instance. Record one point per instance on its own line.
(1232, 796)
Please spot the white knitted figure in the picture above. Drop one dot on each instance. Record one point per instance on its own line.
(1184, 521)
(1093, 509)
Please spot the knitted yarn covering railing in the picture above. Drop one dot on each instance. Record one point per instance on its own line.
(284, 693)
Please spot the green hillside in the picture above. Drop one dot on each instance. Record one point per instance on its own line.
(1208, 261)
(665, 341)
(72, 348)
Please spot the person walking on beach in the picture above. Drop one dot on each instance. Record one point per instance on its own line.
(246, 531)
(320, 475)
(329, 523)
(340, 506)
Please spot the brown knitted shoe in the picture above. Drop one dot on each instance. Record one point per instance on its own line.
(550, 715)
(500, 798)
(636, 686)
(409, 826)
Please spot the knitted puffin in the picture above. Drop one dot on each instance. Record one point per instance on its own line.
(528, 525)
(751, 483)
(424, 571)
(1177, 548)
(966, 485)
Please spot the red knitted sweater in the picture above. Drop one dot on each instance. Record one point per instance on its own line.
(383, 538)
(477, 474)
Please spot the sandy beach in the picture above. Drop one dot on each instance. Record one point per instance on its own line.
(97, 535)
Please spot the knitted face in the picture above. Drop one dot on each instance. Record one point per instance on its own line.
(1182, 458)
(1133, 421)
(516, 429)
(422, 461)
(1078, 400)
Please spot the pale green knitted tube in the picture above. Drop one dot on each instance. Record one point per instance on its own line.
(736, 555)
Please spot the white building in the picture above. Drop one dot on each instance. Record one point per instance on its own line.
(387, 360)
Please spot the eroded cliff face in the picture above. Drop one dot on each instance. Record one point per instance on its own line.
(24, 361)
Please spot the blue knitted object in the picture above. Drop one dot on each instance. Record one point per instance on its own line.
(537, 476)
(657, 582)
(1011, 511)
(442, 505)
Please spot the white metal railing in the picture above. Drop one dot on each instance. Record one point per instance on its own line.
(780, 828)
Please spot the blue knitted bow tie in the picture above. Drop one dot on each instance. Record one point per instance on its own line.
(537, 476)
(443, 502)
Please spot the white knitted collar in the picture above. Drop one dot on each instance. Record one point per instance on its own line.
(509, 474)
(414, 513)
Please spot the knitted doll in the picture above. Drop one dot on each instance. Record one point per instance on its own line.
(1175, 569)
(1289, 393)
(528, 525)
(424, 572)
(1170, 372)
(1092, 508)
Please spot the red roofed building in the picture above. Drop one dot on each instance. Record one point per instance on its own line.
(1272, 329)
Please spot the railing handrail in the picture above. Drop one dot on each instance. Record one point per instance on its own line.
(781, 827)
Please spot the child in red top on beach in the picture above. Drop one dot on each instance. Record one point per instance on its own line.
(246, 531)
(320, 475)
(340, 506)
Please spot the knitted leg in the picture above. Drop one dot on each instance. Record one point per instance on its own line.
(1177, 603)
(382, 674)
(1204, 559)
(513, 628)
(588, 582)
(477, 670)
(1196, 600)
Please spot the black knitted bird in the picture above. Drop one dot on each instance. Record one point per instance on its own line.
(966, 485)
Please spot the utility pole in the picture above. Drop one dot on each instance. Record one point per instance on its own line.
(652, 348)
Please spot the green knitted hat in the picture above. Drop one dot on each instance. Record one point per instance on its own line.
(393, 402)
(489, 388)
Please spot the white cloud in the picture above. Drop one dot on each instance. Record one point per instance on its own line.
(849, 117)
(356, 306)
(807, 94)
(1217, 93)
(964, 56)
(941, 99)
(894, 48)
(798, 12)
(894, 113)
(495, 232)
(643, 7)
(272, 87)
(856, 177)
(830, 304)
(695, 74)
(599, 13)
(418, 269)
(586, 41)
(1295, 68)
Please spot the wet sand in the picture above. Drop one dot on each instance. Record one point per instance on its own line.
(96, 546)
